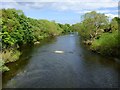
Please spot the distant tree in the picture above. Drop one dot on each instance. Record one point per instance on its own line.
(17, 29)
(92, 21)
(115, 23)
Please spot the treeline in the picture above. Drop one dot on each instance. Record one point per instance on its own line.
(95, 29)
(100, 33)
(18, 29)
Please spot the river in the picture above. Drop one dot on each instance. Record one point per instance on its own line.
(40, 67)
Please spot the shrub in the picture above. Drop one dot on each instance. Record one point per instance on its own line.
(8, 56)
(107, 43)
(3, 68)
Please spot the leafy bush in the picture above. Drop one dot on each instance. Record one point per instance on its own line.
(3, 68)
(107, 43)
(17, 29)
(10, 55)
(102, 34)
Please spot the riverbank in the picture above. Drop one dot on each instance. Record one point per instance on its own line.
(100, 33)
(107, 44)
(18, 30)
(13, 54)
(40, 67)
(8, 56)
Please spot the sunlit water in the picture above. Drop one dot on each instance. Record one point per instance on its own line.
(41, 67)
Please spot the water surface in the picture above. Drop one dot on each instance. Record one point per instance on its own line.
(40, 67)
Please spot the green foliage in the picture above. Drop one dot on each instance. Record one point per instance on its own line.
(66, 28)
(76, 27)
(17, 29)
(115, 23)
(3, 68)
(8, 56)
(92, 21)
(107, 43)
(103, 35)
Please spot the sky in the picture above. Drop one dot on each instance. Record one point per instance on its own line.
(62, 11)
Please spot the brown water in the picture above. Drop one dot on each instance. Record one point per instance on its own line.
(40, 67)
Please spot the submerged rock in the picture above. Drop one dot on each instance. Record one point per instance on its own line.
(59, 52)
(88, 42)
(117, 60)
(71, 35)
(36, 42)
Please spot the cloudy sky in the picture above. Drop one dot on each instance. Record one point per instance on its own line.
(62, 11)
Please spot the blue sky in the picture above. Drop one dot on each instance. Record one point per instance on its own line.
(64, 11)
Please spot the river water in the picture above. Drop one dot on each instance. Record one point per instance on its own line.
(77, 67)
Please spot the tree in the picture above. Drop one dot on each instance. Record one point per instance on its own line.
(115, 23)
(92, 21)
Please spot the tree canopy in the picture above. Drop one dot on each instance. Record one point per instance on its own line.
(18, 29)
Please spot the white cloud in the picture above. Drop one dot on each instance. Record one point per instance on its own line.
(12, 5)
(84, 5)
(70, 4)
(59, 0)
(77, 6)
(106, 12)
(100, 11)
(111, 15)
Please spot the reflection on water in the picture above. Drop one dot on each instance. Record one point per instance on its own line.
(40, 67)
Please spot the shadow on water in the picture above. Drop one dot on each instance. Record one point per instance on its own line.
(93, 57)
(101, 67)
(78, 67)
(19, 65)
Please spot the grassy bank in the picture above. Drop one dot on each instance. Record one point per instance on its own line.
(8, 56)
(100, 33)
(19, 30)
(107, 44)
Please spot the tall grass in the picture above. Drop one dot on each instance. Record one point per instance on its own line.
(2, 66)
(107, 43)
(8, 56)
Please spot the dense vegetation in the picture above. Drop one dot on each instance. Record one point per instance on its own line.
(17, 30)
(99, 33)
(95, 29)
(66, 28)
